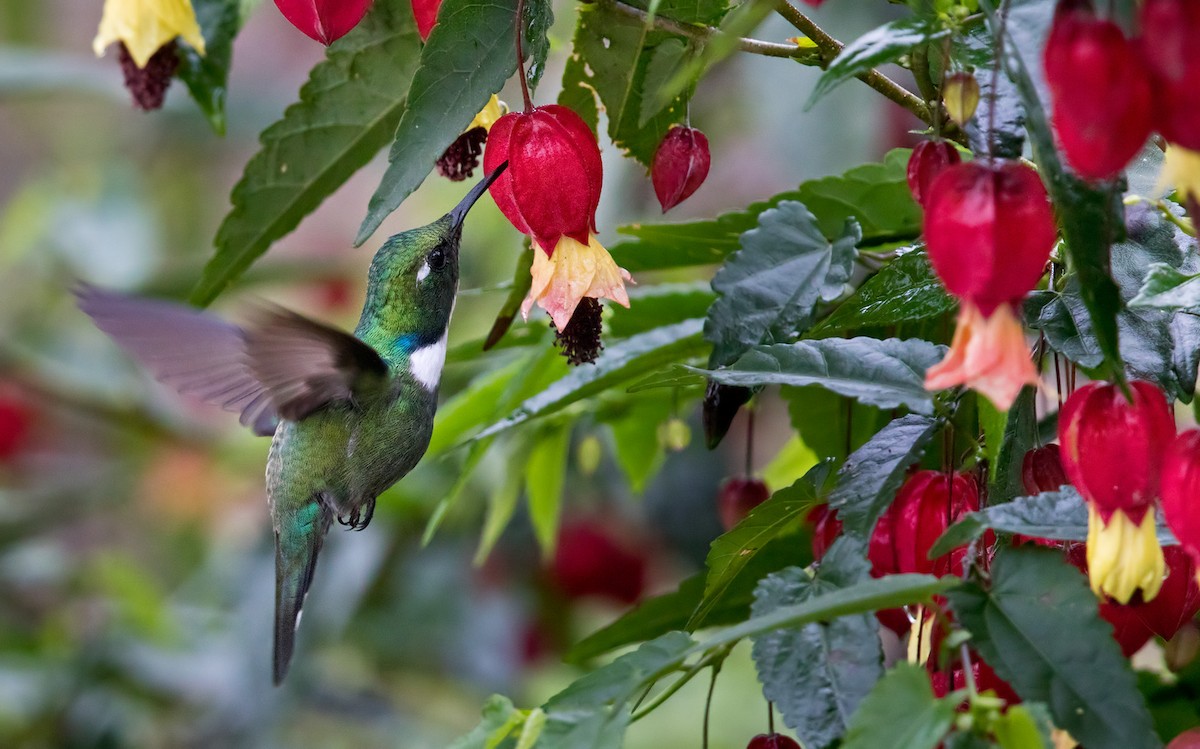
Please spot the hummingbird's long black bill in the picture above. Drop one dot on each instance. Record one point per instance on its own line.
(458, 214)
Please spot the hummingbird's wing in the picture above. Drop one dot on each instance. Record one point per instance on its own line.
(195, 352)
(305, 364)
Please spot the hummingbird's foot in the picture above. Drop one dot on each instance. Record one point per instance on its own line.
(359, 517)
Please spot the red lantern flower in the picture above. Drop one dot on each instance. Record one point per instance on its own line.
(826, 529)
(1100, 91)
(926, 505)
(1169, 31)
(16, 422)
(989, 231)
(425, 12)
(738, 496)
(1112, 452)
(1042, 470)
(772, 741)
(326, 21)
(1181, 490)
(680, 165)
(589, 561)
(929, 159)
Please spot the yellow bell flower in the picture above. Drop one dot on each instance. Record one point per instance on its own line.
(492, 111)
(1124, 557)
(144, 26)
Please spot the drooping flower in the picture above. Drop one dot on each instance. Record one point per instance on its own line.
(680, 165)
(1169, 32)
(738, 496)
(989, 230)
(926, 505)
(1100, 91)
(146, 31)
(325, 21)
(1112, 451)
(550, 191)
(929, 159)
(590, 560)
(460, 159)
(425, 12)
(1042, 470)
(1181, 490)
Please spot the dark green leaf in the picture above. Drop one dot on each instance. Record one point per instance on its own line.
(1019, 437)
(593, 712)
(1038, 626)
(769, 287)
(874, 195)
(868, 481)
(620, 362)
(904, 290)
(468, 56)
(884, 44)
(662, 304)
(831, 425)
(207, 75)
(1167, 288)
(347, 111)
(885, 373)
(819, 673)
(901, 711)
(734, 551)
(666, 61)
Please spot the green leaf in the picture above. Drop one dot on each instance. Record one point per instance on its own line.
(612, 55)
(768, 288)
(874, 195)
(468, 56)
(502, 503)
(539, 17)
(1024, 726)
(666, 61)
(499, 720)
(819, 673)
(901, 711)
(904, 290)
(885, 373)
(593, 712)
(621, 362)
(1089, 217)
(545, 474)
(207, 76)
(661, 304)
(830, 424)
(1167, 288)
(882, 45)
(635, 439)
(733, 551)
(473, 406)
(1038, 626)
(868, 481)
(347, 111)
(1018, 437)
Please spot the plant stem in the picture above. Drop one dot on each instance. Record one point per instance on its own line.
(520, 27)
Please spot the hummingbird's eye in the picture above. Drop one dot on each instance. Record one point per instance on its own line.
(437, 258)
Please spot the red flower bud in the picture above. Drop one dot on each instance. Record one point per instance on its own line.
(552, 185)
(1169, 31)
(1181, 490)
(1100, 91)
(324, 20)
(680, 165)
(827, 528)
(1042, 470)
(929, 159)
(589, 561)
(738, 496)
(15, 423)
(772, 741)
(1112, 449)
(989, 231)
(425, 12)
(927, 504)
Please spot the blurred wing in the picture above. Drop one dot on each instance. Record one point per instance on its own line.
(305, 364)
(194, 352)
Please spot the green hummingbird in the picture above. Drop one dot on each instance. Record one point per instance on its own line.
(350, 415)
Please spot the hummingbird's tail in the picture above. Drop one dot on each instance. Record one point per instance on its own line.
(298, 540)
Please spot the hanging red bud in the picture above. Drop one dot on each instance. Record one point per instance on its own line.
(590, 561)
(1042, 470)
(552, 185)
(773, 740)
(680, 165)
(1181, 490)
(926, 505)
(326, 21)
(929, 159)
(16, 421)
(425, 12)
(961, 97)
(1169, 32)
(738, 496)
(1112, 452)
(1100, 91)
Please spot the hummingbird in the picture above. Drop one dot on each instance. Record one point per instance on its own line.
(349, 415)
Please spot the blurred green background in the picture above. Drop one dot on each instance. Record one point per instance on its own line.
(136, 575)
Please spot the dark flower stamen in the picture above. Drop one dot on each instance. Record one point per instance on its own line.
(462, 157)
(148, 85)
(580, 339)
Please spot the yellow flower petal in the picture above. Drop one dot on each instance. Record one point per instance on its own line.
(146, 25)
(576, 270)
(988, 354)
(1124, 557)
(492, 111)
(1181, 170)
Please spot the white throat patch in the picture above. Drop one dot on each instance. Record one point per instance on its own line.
(426, 363)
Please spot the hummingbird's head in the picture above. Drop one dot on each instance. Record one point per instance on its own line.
(414, 275)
